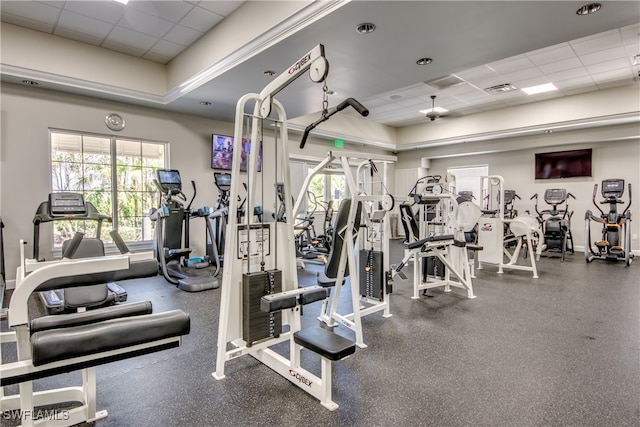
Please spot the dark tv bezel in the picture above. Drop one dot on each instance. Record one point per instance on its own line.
(583, 156)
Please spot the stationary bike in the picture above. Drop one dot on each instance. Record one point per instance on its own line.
(615, 244)
(555, 222)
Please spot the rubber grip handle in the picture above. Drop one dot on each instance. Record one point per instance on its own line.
(303, 141)
(356, 106)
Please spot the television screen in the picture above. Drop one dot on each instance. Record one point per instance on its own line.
(222, 153)
(563, 164)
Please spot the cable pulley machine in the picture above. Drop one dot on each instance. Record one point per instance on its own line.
(261, 303)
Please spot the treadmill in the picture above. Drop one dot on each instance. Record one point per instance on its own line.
(71, 207)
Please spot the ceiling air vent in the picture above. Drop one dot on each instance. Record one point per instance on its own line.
(505, 87)
(445, 82)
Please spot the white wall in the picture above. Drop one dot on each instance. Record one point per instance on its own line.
(27, 114)
(611, 159)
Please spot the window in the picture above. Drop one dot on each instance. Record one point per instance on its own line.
(469, 178)
(327, 187)
(114, 174)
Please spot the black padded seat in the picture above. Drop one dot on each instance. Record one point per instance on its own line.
(327, 282)
(86, 317)
(325, 343)
(60, 344)
(431, 239)
(473, 247)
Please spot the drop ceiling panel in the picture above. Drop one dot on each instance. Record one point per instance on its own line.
(553, 54)
(144, 23)
(201, 19)
(12, 11)
(110, 12)
(172, 11)
(182, 35)
(79, 24)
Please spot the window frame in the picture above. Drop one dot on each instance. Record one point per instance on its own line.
(113, 164)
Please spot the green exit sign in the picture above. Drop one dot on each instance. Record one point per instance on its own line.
(338, 143)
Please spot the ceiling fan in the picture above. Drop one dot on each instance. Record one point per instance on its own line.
(433, 114)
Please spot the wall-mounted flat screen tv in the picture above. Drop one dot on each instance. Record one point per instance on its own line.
(222, 153)
(563, 164)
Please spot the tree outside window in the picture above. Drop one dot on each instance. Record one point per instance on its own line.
(114, 174)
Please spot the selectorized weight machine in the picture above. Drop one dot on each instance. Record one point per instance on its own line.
(260, 302)
(436, 241)
(361, 222)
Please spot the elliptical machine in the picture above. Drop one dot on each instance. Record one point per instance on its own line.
(172, 229)
(217, 218)
(556, 223)
(615, 244)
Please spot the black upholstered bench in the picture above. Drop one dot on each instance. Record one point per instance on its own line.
(53, 345)
(325, 343)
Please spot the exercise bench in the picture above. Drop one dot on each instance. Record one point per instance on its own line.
(57, 344)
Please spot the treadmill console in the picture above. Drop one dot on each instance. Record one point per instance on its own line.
(65, 204)
(555, 196)
(169, 179)
(612, 188)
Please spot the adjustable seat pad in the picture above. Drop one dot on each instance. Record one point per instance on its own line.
(67, 343)
(326, 343)
(88, 317)
(431, 239)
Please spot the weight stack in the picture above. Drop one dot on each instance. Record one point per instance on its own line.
(371, 274)
(256, 325)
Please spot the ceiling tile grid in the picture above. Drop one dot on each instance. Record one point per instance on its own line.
(155, 30)
(598, 61)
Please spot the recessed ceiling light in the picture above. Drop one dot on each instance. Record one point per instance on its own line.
(588, 9)
(532, 90)
(548, 131)
(505, 87)
(205, 103)
(122, 1)
(424, 61)
(365, 28)
(636, 59)
(30, 82)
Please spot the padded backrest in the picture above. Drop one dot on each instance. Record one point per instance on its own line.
(339, 229)
(409, 222)
(86, 296)
(89, 247)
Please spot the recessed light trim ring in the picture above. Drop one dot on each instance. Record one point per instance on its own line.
(365, 28)
(588, 9)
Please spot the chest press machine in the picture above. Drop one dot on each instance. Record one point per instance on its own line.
(439, 235)
(52, 345)
(261, 308)
(361, 222)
